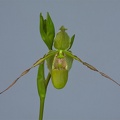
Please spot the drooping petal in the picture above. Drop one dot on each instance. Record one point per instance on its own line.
(90, 66)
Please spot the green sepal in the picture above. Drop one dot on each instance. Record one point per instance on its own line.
(62, 40)
(41, 81)
(59, 78)
(47, 30)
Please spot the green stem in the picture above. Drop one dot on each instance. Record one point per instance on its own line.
(42, 101)
(42, 98)
(42, 84)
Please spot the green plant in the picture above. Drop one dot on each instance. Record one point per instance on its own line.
(59, 61)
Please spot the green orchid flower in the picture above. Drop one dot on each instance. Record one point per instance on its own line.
(59, 60)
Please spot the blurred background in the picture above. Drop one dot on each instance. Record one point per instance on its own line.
(87, 95)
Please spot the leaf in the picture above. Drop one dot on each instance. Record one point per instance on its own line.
(47, 30)
(72, 40)
(41, 81)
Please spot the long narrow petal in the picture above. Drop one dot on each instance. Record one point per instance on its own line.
(90, 66)
(38, 62)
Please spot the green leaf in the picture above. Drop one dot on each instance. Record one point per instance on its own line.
(41, 81)
(47, 30)
(72, 40)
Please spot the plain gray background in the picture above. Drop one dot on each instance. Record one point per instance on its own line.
(87, 95)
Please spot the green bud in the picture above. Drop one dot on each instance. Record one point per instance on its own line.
(62, 40)
(47, 30)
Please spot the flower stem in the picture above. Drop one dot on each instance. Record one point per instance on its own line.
(42, 98)
(42, 101)
(42, 84)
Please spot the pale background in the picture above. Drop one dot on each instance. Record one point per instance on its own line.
(87, 95)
